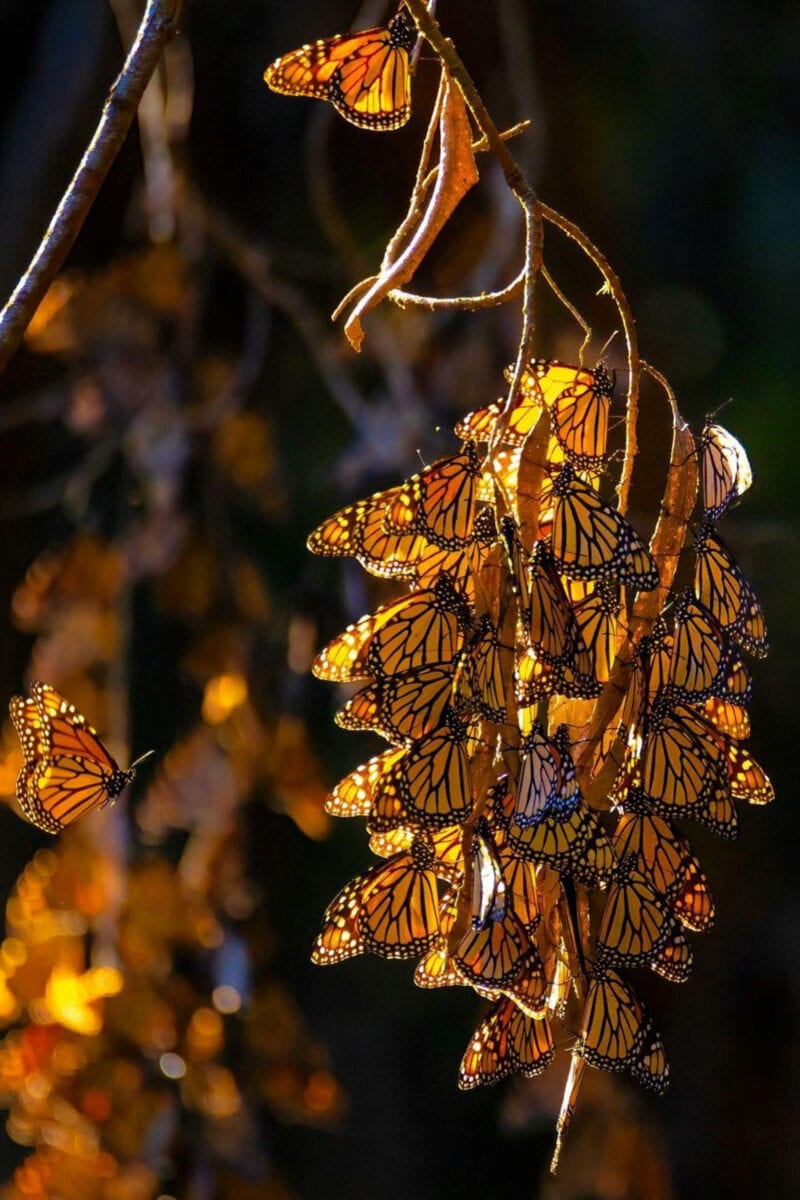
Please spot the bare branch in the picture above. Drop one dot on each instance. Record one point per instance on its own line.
(157, 28)
(253, 264)
(468, 303)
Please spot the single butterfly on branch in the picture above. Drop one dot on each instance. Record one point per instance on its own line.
(365, 75)
(68, 772)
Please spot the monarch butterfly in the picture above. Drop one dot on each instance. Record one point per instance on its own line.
(636, 922)
(487, 667)
(364, 75)
(357, 530)
(558, 839)
(535, 680)
(591, 540)
(428, 787)
(507, 1041)
(703, 664)
(439, 503)
(725, 469)
(745, 778)
(539, 780)
(354, 795)
(566, 834)
(665, 858)
(597, 615)
(462, 564)
(649, 678)
(401, 707)
(545, 611)
(675, 958)
(448, 860)
(720, 584)
(436, 968)
(421, 629)
(492, 956)
(479, 425)
(68, 772)
(519, 876)
(529, 988)
(579, 415)
(715, 809)
(730, 719)
(577, 397)
(488, 884)
(681, 765)
(392, 910)
(616, 1035)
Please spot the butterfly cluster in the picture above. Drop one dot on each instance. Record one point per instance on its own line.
(501, 867)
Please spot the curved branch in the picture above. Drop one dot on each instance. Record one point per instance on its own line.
(157, 28)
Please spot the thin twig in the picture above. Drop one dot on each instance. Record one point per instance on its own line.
(253, 264)
(466, 303)
(157, 28)
(571, 309)
(629, 329)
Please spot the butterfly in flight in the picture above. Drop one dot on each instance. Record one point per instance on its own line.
(68, 772)
(365, 75)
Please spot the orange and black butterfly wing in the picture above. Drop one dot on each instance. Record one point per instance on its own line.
(364, 75)
(721, 585)
(725, 469)
(440, 502)
(70, 734)
(392, 910)
(33, 731)
(57, 792)
(580, 418)
(592, 540)
(371, 87)
(617, 1034)
(505, 1042)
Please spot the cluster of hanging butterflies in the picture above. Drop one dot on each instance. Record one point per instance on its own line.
(475, 807)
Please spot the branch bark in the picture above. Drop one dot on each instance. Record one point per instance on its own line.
(156, 29)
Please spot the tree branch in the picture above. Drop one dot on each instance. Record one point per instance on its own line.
(157, 28)
(515, 178)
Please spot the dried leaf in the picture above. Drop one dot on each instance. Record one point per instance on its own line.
(457, 174)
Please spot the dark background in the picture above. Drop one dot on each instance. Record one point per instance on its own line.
(670, 133)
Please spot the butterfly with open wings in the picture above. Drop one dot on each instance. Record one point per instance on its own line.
(67, 772)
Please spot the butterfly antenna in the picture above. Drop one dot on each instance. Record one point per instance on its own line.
(712, 416)
(606, 344)
(141, 759)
